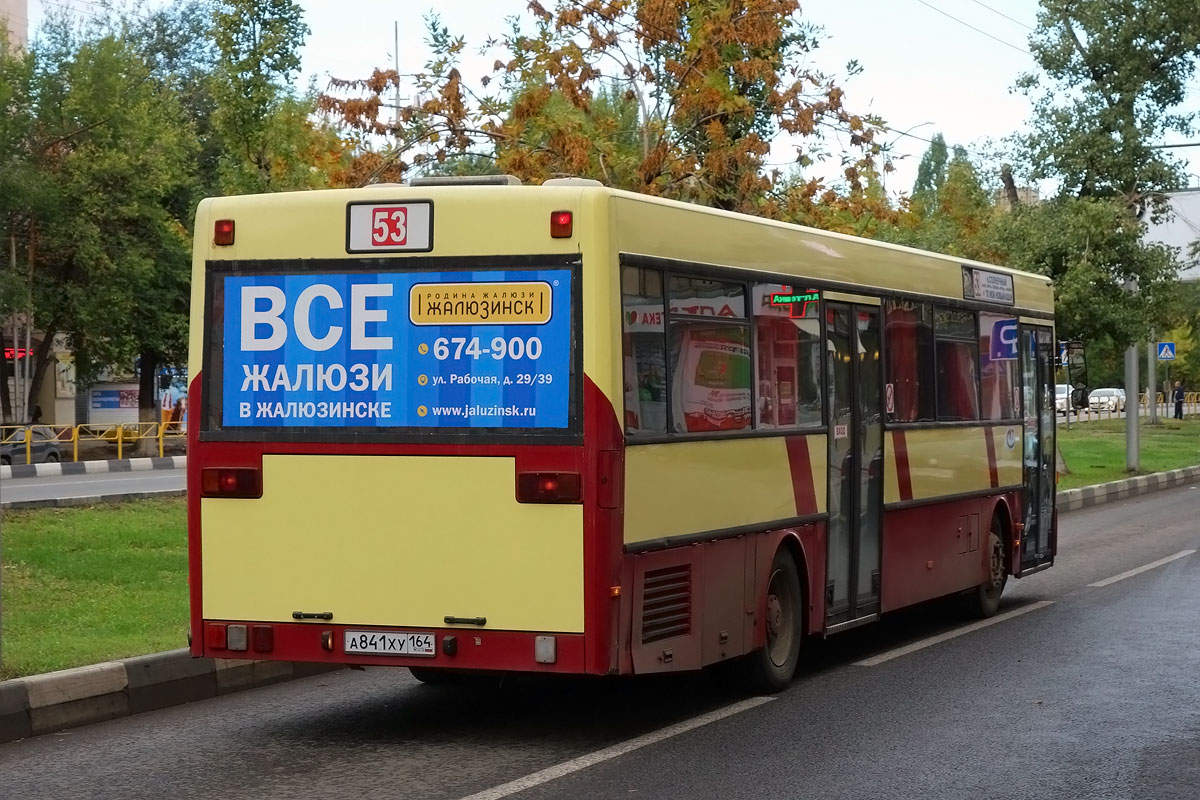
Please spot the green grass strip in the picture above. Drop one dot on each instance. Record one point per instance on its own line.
(1095, 451)
(85, 585)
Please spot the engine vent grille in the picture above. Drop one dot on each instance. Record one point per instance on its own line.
(666, 603)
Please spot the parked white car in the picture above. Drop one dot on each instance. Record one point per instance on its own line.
(1062, 398)
(1107, 400)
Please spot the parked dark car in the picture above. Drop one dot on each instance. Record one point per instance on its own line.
(44, 446)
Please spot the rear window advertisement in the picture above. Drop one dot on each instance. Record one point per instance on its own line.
(453, 349)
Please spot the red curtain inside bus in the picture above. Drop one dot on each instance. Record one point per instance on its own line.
(908, 332)
(902, 361)
(958, 382)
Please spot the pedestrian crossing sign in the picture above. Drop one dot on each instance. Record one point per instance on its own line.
(1166, 351)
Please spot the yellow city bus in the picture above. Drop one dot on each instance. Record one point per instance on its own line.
(468, 425)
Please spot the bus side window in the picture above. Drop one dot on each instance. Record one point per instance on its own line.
(957, 352)
(1000, 388)
(643, 347)
(787, 370)
(908, 336)
(710, 355)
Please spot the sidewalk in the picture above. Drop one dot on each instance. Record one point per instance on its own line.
(53, 701)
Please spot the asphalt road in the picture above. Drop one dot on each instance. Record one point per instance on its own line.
(1082, 687)
(100, 483)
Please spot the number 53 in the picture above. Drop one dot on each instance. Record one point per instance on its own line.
(389, 226)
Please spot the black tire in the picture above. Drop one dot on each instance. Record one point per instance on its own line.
(435, 677)
(771, 668)
(984, 600)
(52, 457)
(5, 461)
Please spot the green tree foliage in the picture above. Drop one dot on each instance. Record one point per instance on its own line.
(951, 211)
(108, 148)
(1113, 75)
(1088, 247)
(177, 43)
(19, 185)
(110, 132)
(931, 173)
(268, 139)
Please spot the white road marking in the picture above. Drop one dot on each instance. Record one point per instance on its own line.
(608, 753)
(875, 661)
(1143, 568)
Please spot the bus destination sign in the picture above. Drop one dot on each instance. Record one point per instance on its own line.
(480, 349)
(988, 286)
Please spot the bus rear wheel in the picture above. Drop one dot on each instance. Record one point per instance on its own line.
(436, 677)
(770, 669)
(985, 600)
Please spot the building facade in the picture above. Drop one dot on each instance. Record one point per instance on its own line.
(1181, 229)
(14, 15)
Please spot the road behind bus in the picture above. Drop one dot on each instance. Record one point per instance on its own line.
(1078, 690)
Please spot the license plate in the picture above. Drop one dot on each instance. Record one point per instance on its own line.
(379, 643)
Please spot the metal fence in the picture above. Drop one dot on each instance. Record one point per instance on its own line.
(29, 444)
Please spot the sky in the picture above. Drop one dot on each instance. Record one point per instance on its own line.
(928, 66)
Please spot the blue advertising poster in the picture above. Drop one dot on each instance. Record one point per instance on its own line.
(456, 349)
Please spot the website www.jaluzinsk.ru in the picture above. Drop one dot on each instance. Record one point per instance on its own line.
(483, 411)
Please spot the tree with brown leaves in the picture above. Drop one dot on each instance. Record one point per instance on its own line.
(676, 98)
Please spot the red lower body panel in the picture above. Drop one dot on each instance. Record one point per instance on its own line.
(508, 651)
(938, 549)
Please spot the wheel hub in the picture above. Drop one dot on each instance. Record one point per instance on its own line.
(774, 616)
(780, 626)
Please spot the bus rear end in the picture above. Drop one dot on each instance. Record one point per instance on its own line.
(390, 464)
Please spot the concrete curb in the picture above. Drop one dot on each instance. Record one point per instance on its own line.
(56, 700)
(89, 467)
(1088, 496)
(89, 500)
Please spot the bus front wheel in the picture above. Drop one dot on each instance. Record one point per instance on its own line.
(771, 668)
(985, 600)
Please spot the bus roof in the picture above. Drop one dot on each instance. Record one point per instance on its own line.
(643, 226)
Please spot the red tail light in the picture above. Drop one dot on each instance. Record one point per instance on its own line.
(560, 224)
(223, 232)
(549, 487)
(229, 482)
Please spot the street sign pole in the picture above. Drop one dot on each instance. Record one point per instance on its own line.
(1131, 420)
(1064, 362)
(1151, 377)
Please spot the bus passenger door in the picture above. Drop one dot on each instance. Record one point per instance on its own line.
(855, 463)
(1039, 453)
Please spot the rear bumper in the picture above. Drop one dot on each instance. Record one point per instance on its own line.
(456, 648)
